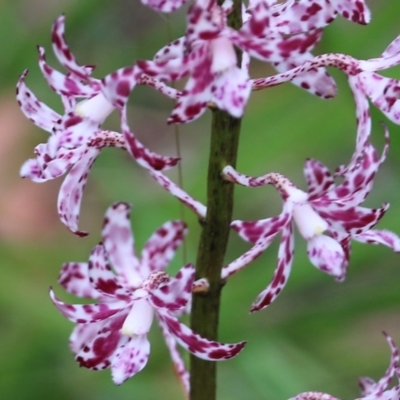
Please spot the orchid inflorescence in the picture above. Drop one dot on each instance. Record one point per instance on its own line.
(129, 291)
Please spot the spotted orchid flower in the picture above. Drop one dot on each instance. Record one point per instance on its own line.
(370, 389)
(113, 332)
(207, 55)
(76, 138)
(325, 207)
(365, 83)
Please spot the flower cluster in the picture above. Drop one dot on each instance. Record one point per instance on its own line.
(213, 56)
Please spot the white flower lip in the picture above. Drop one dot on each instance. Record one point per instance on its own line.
(98, 108)
(223, 55)
(139, 319)
(308, 221)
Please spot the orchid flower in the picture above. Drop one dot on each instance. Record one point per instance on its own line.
(76, 138)
(113, 332)
(207, 55)
(370, 389)
(325, 207)
(364, 83)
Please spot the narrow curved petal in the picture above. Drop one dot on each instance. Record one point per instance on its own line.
(393, 48)
(63, 85)
(171, 187)
(383, 92)
(174, 295)
(97, 353)
(253, 231)
(71, 191)
(383, 237)
(363, 117)
(35, 110)
(64, 55)
(119, 244)
(74, 277)
(101, 276)
(248, 257)
(319, 179)
(195, 344)
(173, 50)
(162, 244)
(84, 313)
(143, 156)
(368, 386)
(282, 271)
(179, 365)
(129, 358)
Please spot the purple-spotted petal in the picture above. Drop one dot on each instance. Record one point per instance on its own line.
(196, 95)
(248, 257)
(319, 179)
(368, 386)
(195, 344)
(353, 10)
(119, 244)
(74, 278)
(383, 92)
(162, 244)
(129, 358)
(383, 237)
(252, 231)
(36, 111)
(354, 220)
(97, 353)
(84, 313)
(175, 294)
(282, 271)
(173, 50)
(179, 193)
(71, 191)
(63, 85)
(177, 361)
(101, 276)
(231, 90)
(140, 153)
(64, 55)
(82, 334)
(326, 254)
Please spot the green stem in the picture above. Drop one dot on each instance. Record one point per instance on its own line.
(224, 143)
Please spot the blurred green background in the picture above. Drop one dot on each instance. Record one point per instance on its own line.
(318, 335)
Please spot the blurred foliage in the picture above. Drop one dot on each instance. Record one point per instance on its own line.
(318, 335)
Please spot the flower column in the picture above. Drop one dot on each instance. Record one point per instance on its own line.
(214, 237)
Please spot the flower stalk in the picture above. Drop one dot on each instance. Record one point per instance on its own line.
(224, 142)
